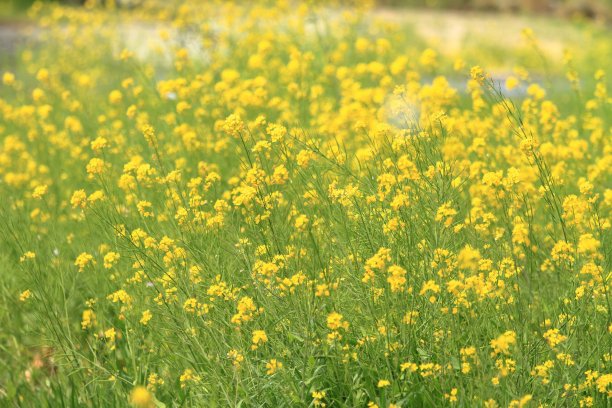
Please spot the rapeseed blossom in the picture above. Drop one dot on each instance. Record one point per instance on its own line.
(303, 206)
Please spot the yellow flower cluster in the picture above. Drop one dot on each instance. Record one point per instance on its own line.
(278, 203)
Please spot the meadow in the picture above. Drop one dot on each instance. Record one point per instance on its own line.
(287, 204)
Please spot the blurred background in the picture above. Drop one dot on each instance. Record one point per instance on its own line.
(589, 9)
(567, 8)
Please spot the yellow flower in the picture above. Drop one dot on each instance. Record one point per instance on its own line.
(236, 357)
(554, 337)
(27, 255)
(280, 175)
(536, 91)
(8, 78)
(110, 336)
(502, 344)
(412, 367)
(317, 397)
(141, 397)
(144, 208)
(182, 106)
(451, 396)
(88, 319)
(95, 196)
(273, 366)
(396, 278)
(42, 75)
(188, 376)
(376, 262)
(428, 58)
(562, 251)
(95, 166)
(120, 296)
(115, 97)
(511, 83)
(383, 383)
(259, 338)
(335, 321)
(38, 95)
(25, 295)
(604, 384)
(79, 199)
(521, 402)
(246, 308)
(146, 317)
(587, 244)
(40, 191)
(477, 74)
(154, 380)
(411, 317)
(110, 259)
(125, 55)
(445, 214)
(83, 260)
(99, 143)
(301, 222)
(233, 125)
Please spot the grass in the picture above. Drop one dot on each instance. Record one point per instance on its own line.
(267, 204)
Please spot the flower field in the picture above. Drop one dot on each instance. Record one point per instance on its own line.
(277, 204)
